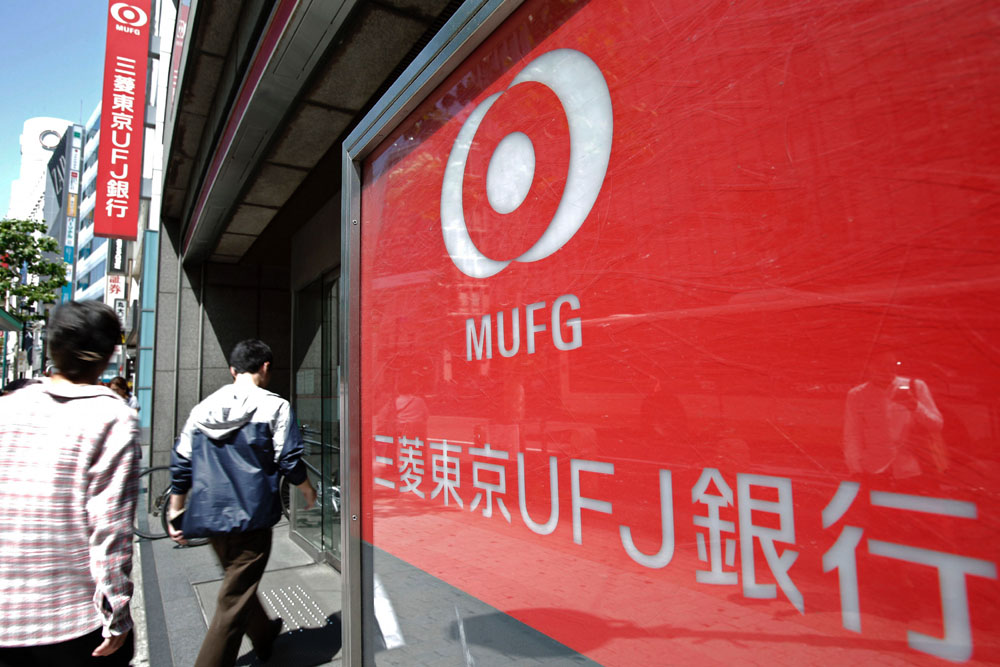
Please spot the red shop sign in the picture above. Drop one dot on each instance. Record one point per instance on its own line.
(123, 111)
(678, 328)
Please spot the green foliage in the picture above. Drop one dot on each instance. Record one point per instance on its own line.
(24, 242)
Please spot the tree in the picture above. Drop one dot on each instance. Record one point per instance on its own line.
(23, 244)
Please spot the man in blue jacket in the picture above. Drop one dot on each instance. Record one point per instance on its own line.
(224, 485)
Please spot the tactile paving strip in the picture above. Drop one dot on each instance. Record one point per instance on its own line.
(294, 605)
(296, 608)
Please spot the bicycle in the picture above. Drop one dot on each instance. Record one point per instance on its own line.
(285, 493)
(157, 477)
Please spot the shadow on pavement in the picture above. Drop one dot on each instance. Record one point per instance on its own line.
(303, 648)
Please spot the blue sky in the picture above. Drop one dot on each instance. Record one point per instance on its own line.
(51, 59)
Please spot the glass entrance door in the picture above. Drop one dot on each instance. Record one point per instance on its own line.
(315, 357)
(330, 500)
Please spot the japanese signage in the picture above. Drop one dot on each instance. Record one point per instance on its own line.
(121, 310)
(115, 288)
(123, 108)
(64, 180)
(70, 242)
(117, 256)
(57, 170)
(675, 329)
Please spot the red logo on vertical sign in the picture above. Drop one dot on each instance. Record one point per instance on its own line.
(123, 107)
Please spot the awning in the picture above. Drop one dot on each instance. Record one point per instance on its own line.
(8, 322)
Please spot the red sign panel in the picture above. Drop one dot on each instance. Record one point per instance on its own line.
(180, 37)
(678, 331)
(123, 110)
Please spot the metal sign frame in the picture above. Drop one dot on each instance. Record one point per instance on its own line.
(463, 33)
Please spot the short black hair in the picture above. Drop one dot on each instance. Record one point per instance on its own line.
(249, 355)
(119, 385)
(81, 337)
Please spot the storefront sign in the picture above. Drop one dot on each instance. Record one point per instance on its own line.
(699, 366)
(121, 311)
(117, 256)
(70, 241)
(115, 288)
(119, 163)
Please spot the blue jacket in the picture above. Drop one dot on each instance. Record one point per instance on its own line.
(229, 456)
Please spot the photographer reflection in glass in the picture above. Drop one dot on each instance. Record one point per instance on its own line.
(891, 423)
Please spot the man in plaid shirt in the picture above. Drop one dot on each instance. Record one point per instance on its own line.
(68, 486)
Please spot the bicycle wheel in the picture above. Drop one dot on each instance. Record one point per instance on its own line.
(285, 492)
(150, 513)
(191, 541)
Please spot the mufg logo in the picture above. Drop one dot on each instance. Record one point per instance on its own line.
(128, 18)
(583, 93)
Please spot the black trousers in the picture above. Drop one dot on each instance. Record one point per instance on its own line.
(238, 610)
(72, 653)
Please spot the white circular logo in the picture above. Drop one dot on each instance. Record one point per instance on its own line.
(583, 93)
(49, 139)
(127, 14)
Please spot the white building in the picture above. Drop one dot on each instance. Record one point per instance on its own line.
(38, 139)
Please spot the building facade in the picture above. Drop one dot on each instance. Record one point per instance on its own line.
(90, 268)
(39, 139)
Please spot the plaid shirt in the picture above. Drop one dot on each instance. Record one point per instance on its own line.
(68, 484)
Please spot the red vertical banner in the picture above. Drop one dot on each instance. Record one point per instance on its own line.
(123, 106)
(180, 36)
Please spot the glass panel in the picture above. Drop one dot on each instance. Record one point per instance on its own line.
(679, 341)
(308, 357)
(331, 420)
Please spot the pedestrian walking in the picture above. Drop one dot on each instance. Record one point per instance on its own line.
(224, 485)
(119, 385)
(69, 463)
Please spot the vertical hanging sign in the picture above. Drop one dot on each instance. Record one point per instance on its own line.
(123, 108)
(180, 36)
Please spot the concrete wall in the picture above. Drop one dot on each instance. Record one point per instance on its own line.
(202, 312)
(316, 245)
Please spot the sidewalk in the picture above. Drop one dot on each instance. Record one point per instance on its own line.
(179, 586)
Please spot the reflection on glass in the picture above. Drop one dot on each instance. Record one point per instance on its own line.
(410, 410)
(308, 355)
(316, 359)
(330, 500)
(891, 423)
